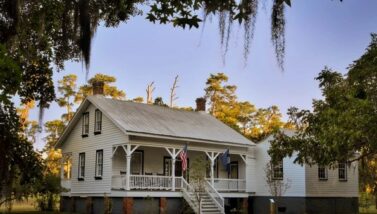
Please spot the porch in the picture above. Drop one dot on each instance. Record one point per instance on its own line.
(160, 169)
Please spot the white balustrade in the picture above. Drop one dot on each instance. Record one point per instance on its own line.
(230, 185)
(66, 184)
(146, 182)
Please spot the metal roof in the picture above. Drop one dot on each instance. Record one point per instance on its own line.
(140, 118)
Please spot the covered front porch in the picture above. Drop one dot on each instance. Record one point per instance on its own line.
(138, 167)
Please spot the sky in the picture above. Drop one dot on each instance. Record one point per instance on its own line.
(319, 33)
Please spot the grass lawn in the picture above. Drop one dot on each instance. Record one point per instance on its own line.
(25, 207)
(370, 210)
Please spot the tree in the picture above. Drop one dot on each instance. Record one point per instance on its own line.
(159, 102)
(138, 100)
(173, 94)
(264, 122)
(276, 187)
(20, 165)
(53, 129)
(109, 90)
(222, 99)
(343, 123)
(242, 116)
(67, 88)
(150, 89)
(245, 117)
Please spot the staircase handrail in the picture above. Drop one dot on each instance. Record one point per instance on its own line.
(215, 195)
(186, 188)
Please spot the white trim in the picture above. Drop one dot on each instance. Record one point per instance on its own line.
(189, 148)
(243, 157)
(223, 143)
(120, 193)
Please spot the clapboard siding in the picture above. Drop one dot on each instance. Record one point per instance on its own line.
(332, 187)
(250, 172)
(293, 173)
(76, 144)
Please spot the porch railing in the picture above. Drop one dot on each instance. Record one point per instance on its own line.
(229, 185)
(146, 182)
(66, 184)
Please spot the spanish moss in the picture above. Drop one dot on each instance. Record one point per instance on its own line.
(278, 32)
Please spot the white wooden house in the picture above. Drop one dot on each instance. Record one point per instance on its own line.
(129, 152)
(312, 189)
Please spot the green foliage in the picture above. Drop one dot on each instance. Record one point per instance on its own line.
(48, 192)
(343, 125)
(20, 165)
(197, 172)
(68, 89)
(242, 116)
(138, 100)
(10, 76)
(109, 90)
(365, 201)
(159, 102)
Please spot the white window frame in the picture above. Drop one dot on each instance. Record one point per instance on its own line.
(342, 175)
(324, 174)
(85, 124)
(98, 122)
(81, 166)
(278, 167)
(99, 164)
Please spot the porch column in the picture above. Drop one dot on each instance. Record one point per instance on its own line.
(173, 153)
(173, 173)
(128, 171)
(128, 150)
(212, 157)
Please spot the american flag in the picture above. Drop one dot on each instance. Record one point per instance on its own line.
(183, 156)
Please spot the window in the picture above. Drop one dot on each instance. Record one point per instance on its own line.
(322, 173)
(85, 124)
(99, 164)
(67, 166)
(277, 171)
(137, 163)
(98, 122)
(233, 170)
(342, 171)
(81, 166)
(178, 167)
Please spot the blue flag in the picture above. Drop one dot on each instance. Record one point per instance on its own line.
(225, 160)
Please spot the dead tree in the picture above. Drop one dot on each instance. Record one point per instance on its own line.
(173, 95)
(150, 89)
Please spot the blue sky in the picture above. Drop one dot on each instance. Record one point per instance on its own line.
(318, 33)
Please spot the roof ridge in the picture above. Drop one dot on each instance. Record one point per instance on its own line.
(146, 104)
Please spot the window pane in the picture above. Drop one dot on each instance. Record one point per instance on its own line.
(81, 165)
(98, 120)
(136, 163)
(277, 170)
(99, 162)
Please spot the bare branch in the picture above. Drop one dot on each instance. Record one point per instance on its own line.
(173, 95)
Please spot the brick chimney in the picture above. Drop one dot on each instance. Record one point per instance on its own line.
(200, 104)
(98, 88)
